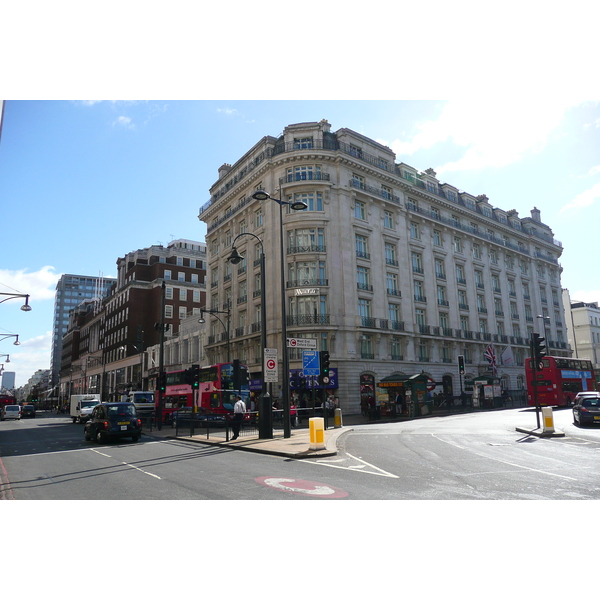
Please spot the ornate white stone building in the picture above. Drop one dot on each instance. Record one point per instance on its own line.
(391, 270)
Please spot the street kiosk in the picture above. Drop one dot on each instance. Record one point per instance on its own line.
(405, 395)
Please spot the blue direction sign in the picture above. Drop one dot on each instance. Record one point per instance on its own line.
(310, 363)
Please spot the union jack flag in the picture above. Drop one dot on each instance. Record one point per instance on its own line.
(491, 357)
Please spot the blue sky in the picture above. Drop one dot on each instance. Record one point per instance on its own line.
(84, 182)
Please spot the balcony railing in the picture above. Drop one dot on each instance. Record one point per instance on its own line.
(307, 282)
(308, 320)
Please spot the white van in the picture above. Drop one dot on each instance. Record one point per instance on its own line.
(82, 406)
(11, 411)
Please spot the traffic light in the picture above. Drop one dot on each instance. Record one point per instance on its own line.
(538, 347)
(237, 375)
(162, 382)
(324, 365)
(194, 371)
(461, 364)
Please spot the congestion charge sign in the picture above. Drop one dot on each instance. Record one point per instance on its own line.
(302, 487)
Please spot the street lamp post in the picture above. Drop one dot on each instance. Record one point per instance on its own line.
(25, 306)
(544, 319)
(7, 335)
(161, 355)
(225, 327)
(262, 195)
(140, 351)
(265, 423)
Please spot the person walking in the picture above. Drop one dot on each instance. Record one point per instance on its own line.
(238, 415)
(293, 411)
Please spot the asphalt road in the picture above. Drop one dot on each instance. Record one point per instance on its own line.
(478, 456)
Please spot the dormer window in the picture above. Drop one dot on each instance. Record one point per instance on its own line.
(303, 143)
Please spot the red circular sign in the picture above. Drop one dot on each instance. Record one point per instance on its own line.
(271, 364)
(302, 487)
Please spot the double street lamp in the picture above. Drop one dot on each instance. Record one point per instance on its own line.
(225, 327)
(262, 195)
(265, 427)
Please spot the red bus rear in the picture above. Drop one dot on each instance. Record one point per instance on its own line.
(215, 393)
(559, 380)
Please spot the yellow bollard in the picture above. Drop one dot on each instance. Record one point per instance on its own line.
(337, 418)
(317, 433)
(548, 419)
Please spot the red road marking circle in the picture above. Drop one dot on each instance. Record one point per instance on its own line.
(313, 489)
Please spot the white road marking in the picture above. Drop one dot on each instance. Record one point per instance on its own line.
(101, 453)
(379, 472)
(506, 462)
(142, 470)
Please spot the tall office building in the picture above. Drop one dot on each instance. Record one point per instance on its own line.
(72, 290)
(8, 380)
(392, 271)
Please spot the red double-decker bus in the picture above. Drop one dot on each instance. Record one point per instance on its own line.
(558, 380)
(215, 393)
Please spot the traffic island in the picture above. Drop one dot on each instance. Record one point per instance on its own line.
(541, 432)
(548, 425)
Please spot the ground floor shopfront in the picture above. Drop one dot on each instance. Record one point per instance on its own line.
(416, 388)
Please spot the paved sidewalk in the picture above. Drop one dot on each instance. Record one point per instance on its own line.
(296, 446)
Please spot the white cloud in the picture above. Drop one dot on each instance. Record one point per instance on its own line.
(493, 132)
(40, 285)
(586, 198)
(32, 355)
(228, 111)
(124, 122)
(594, 170)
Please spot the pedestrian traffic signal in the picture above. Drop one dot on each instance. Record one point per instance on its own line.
(195, 376)
(538, 347)
(461, 364)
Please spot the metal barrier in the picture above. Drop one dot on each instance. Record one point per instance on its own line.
(148, 419)
(220, 425)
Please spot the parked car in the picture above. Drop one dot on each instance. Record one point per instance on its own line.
(586, 410)
(28, 411)
(113, 420)
(586, 395)
(11, 411)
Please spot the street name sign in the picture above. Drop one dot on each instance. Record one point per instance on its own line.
(301, 342)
